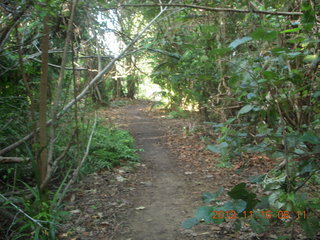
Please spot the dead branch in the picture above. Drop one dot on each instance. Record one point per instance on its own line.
(76, 171)
(231, 10)
(57, 66)
(21, 211)
(13, 160)
(52, 169)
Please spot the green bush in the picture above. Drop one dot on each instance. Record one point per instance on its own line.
(109, 147)
(178, 114)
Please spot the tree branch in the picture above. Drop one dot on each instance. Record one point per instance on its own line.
(76, 171)
(231, 10)
(13, 159)
(57, 66)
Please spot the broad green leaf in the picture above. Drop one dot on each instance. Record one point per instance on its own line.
(310, 137)
(239, 205)
(310, 58)
(245, 109)
(239, 41)
(316, 94)
(251, 95)
(274, 199)
(257, 178)
(256, 226)
(293, 54)
(205, 213)
(189, 223)
(218, 148)
(264, 34)
(264, 203)
(240, 192)
(209, 197)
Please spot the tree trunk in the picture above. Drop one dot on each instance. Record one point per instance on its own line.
(42, 161)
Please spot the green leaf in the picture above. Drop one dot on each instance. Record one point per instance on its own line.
(218, 148)
(240, 192)
(239, 205)
(310, 226)
(264, 203)
(264, 34)
(293, 54)
(256, 226)
(310, 137)
(257, 178)
(189, 223)
(291, 30)
(237, 225)
(209, 197)
(237, 192)
(239, 41)
(204, 212)
(245, 109)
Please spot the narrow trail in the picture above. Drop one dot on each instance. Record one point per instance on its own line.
(165, 198)
(149, 200)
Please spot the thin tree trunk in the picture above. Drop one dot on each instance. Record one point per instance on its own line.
(42, 161)
(57, 93)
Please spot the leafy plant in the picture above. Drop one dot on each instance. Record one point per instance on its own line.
(109, 147)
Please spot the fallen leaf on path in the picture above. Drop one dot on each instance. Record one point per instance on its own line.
(120, 179)
(140, 208)
(75, 211)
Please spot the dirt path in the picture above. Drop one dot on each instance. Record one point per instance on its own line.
(149, 200)
(164, 197)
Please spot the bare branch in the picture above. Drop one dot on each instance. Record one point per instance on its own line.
(57, 66)
(231, 10)
(21, 211)
(76, 171)
(13, 159)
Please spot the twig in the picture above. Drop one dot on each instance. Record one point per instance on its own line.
(76, 171)
(21, 211)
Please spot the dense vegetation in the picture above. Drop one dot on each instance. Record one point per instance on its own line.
(250, 68)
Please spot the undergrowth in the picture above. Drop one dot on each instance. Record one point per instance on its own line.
(109, 147)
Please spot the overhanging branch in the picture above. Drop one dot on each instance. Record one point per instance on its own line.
(231, 10)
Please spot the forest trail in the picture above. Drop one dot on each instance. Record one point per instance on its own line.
(149, 200)
(165, 196)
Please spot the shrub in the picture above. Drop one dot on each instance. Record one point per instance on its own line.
(109, 146)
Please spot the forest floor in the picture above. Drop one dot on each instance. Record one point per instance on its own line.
(149, 200)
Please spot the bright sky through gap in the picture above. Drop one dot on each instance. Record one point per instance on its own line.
(109, 39)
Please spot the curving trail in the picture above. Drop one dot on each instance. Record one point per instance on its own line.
(165, 195)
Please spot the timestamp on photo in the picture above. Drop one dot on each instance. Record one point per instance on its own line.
(232, 214)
